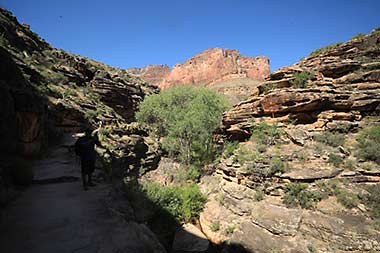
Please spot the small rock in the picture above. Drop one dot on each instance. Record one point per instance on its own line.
(362, 208)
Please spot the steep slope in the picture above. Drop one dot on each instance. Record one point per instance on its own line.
(47, 94)
(303, 177)
(47, 90)
(224, 70)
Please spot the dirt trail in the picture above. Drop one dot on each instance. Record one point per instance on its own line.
(61, 217)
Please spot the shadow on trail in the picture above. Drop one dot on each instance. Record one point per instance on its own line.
(168, 229)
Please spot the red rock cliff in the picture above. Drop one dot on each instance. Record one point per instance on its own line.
(207, 68)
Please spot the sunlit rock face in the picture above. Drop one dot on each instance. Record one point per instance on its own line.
(223, 70)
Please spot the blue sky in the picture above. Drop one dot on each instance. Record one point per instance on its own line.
(137, 33)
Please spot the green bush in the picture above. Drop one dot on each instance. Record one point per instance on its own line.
(297, 194)
(215, 226)
(186, 117)
(347, 199)
(335, 160)
(229, 229)
(186, 173)
(372, 199)
(229, 148)
(301, 78)
(259, 195)
(277, 165)
(330, 138)
(368, 144)
(266, 134)
(22, 172)
(183, 203)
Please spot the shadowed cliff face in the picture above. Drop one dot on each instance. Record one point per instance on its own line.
(46, 91)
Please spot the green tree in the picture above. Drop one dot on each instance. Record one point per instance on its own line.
(186, 117)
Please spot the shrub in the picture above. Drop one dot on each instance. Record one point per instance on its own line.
(297, 194)
(220, 199)
(376, 225)
(215, 226)
(347, 199)
(229, 148)
(259, 195)
(183, 203)
(90, 115)
(349, 164)
(277, 165)
(330, 138)
(324, 49)
(229, 229)
(335, 159)
(310, 248)
(186, 117)
(368, 144)
(301, 78)
(372, 199)
(266, 134)
(186, 173)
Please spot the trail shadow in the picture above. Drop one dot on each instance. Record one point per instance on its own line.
(166, 226)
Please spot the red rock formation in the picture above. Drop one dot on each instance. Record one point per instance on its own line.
(207, 68)
(153, 74)
(215, 65)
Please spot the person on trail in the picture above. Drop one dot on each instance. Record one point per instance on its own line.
(85, 149)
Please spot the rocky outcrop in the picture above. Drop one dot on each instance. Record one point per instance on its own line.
(47, 90)
(215, 65)
(223, 70)
(153, 74)
(342, 83)
(296, 192)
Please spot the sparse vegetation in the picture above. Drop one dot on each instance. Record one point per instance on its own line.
(259, 195)
(215, 226)
(183, 203)
(185, 174)
(347, 199)
(297, 194)
(229, 148)
(335, 160)
(372, 199)
(186, 117)
(376, 31)
(358, 36)
(3, 40)
(220, 199)
(310, 248)
(369, 144)
(330, 138)
(301, 78)
(266, 134)
(229, 229)
(324, 49)
(277, 165)
(349, 164)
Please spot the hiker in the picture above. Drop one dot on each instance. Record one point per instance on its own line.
(85, 149)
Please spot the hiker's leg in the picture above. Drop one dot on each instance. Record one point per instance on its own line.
(83, 170)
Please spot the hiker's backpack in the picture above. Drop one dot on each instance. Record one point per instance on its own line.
(83, 146)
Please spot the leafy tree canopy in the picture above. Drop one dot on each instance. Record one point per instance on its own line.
(186, 117)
